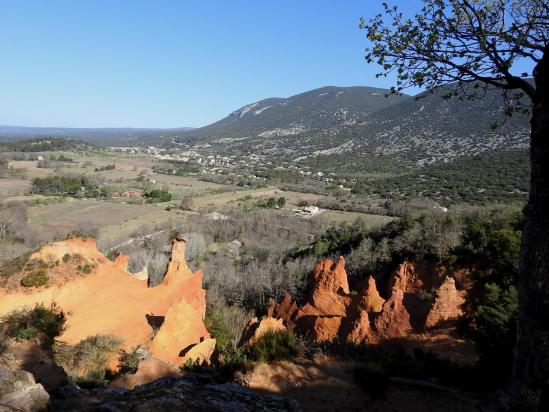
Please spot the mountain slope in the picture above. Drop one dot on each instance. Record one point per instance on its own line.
(418, 131)
(316, 109)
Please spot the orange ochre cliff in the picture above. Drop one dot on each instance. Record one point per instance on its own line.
(167, 319)
(331, 312)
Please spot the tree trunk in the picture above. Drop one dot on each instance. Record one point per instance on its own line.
(531, 363)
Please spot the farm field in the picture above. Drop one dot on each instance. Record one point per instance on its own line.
(114, 219)
(13, 187)
(335, 216)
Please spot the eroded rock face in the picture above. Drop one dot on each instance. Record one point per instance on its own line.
(286, 310)
(111, 301)
(122, 261)
(201, 353)
(447, 305)
(370, 299)
(361, 331)
(329, 286)
(393, 320)
(331, 312)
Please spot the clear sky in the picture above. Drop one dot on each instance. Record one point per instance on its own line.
(135, 63)
(160, 63)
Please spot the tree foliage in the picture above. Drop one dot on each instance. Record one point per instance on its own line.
(464, 42)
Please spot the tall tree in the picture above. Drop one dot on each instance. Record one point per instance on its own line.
(468, 47)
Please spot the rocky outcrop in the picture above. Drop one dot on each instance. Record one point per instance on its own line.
(370, 299)
(447, 305)
(189, 393)
(201, 353)
(111, 301)
(361, 331)
(286, 310)
(331, 312)
(256, 328)
(394, 320)
(330, 286)
(20, 392)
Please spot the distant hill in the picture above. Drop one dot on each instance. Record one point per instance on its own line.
(280, 117)
(106, 136)
(345, 133)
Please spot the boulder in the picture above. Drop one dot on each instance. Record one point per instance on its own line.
(19, 392)
(447, 305)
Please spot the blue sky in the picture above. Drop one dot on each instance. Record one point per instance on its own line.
(136, 63)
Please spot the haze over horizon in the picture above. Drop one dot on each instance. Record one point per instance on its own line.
(133, 64)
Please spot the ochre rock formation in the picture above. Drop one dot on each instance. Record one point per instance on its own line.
(394, 320)
(201, 353)
(122, 261)
(370, 300)
(256, 328)
(110, 301)
(330, 285)
(331, 311)
(285, 310)
(361, 331)
(447, 305)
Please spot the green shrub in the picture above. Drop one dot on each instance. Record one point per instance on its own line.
(274, 346)
(28, 323)
(37, 278)
(86, 269)
(157, 196)
(86, 361)
(129, 361)
(191, 366)
(494, 330)
(233, 359)
(66, 257)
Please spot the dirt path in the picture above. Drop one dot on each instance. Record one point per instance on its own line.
(327, 384)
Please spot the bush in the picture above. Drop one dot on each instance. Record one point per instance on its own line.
(274, 346)
(129, 361)
(157, 196)
(234, 359)
(66, 257)
(87, 269)
(495, 329)
(86, 361)
(28, 323)
(37, 278)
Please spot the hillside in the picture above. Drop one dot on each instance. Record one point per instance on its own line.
(280, 117)
(349, 129)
